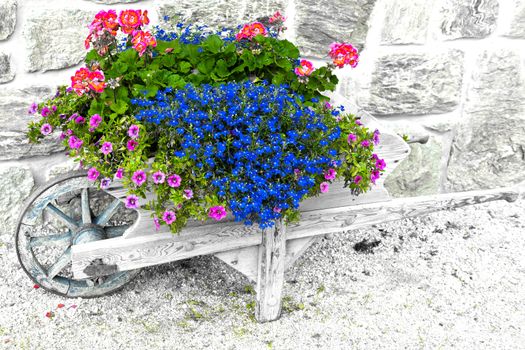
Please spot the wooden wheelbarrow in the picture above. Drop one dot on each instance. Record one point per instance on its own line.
(69, 243)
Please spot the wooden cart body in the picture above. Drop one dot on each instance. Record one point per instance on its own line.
(263, 256)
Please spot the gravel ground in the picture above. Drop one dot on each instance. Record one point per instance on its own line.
(452, 279)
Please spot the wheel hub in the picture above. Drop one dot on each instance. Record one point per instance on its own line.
(89, 233)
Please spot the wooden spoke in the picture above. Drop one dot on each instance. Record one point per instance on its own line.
(86, 211)
(60, 264)
(104, 217)
(62, 239)
(116, 231)
(59, 214)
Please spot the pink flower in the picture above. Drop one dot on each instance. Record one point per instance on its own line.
(365, 143)
(132, 144)
(305, 68)
(45, 111)
(351, 138)
(358, 122)
(358, 179)
(187, 194)
(104, 183)
(156, 222)
(106, 148)
(74, 142)
(139, 177)
(343, 54)
(174, 180)
(133, 131)
(119, 173)
(217, 212)
(132, 202)
(330, 174)
(374, 176)
(276, 209)
(380, 164)
(324, 187)
(80, 119)
(276, 18)
(169, 217)
(33, 108)
(158, 177)
(46, 129)
(95, 121)
(93, 174)
(376, 137)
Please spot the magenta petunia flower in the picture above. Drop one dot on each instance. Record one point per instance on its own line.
(80, 119)
(132, 144)
(365, 143)
(74, 142)
(358, 122)
(276, 209)
(330, 174)
(174, 180)
(95, 121)
(169, 217)
(133, 131)
(217, 212)
(358, 179)
(107, 148)
(104, 183)
(132, 202)
(45, 111)
(380, 164)
(376, 137)
(374, 176)
(351, 138)
(33, 108)
(158, 177)
(139, 177)
(324, 187)
(93, 174)
(187, 194)
(54, 108)
(119, 173)
(156, 222)
(62, 136)
(46, 129)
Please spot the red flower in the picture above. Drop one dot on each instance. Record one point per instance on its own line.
(249, 31)
(141, 40)
(50, 314)
(344, 54)
(59, 306)
(305, 68)
(36, 286)
(86, 80)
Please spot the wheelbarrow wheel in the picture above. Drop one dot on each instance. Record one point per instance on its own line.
(67, 211)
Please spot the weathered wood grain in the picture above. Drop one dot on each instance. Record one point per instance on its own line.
(296, 247)
(244, 260)
(270, 276)
(160, 248)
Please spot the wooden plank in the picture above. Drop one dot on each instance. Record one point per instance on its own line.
(243, 260)
(296, 247)
(133, 253)
(270, 277)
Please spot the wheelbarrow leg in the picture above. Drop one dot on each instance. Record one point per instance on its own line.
(270, 276)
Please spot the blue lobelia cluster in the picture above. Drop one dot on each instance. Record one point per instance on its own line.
(260, 147)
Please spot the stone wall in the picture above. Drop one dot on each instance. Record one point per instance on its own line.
(448, 73)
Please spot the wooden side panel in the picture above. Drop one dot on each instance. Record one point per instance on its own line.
(133, 253)
(270, 277)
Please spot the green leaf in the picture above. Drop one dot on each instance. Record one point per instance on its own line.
(206, 66)
(213, 44)
(120, 107)
(221, 69)
(184, 66)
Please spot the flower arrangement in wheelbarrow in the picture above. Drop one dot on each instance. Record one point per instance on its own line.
(211, 122)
